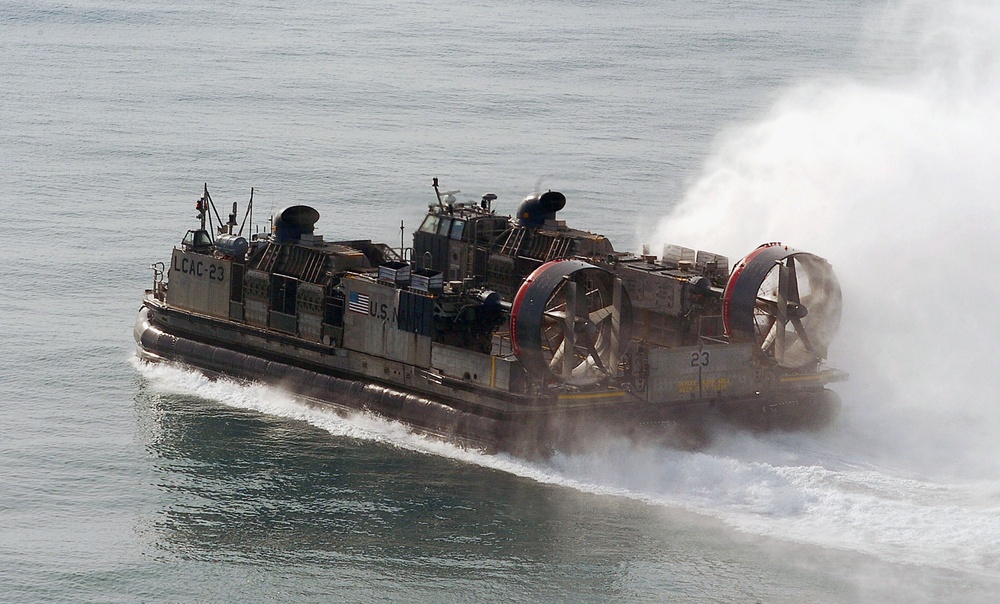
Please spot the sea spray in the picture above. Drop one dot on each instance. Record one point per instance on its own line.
(788, 486)
(894, 180)
(891, 179)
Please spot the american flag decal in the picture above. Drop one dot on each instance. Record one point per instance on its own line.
(357, 302)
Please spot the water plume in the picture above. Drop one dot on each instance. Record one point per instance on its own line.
(891, 175)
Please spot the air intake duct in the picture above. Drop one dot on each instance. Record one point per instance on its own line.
(293, 222)
(537, 208)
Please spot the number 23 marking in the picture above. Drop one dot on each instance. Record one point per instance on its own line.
(699, 359)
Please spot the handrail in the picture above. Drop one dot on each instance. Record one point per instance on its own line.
(159, 287)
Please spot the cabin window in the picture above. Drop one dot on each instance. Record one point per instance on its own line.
(457, 229)
(196, 239)
(444, 226)
(430, 224)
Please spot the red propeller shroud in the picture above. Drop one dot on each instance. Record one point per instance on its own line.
(571, 321)
(787, 301)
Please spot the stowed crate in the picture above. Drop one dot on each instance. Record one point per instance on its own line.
(426, 280)
(397, 273)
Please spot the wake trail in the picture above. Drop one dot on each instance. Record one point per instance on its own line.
(891, 175)
(783, 486)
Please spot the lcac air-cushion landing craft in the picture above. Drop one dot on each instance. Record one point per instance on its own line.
(514, 334)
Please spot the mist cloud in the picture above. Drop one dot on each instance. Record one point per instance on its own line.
(893, 176)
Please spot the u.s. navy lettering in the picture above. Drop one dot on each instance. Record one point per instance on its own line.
(381, 311)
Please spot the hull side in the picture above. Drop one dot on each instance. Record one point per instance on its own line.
(492, 421)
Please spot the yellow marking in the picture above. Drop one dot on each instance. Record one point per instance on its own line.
(803, 378)
(493, 371)
(707, 385)
(590, 395)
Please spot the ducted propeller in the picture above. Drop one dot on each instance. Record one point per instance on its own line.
(788, 301)
(571, 321)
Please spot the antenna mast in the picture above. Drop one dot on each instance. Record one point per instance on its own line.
(249, 214)
(437, 192)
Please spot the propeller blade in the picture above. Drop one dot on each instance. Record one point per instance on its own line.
(781, 316)
(556, 312)
(600, 314)
(779, 341)
(593, 353)
(556, 364)
(555, 315)
(793, 281)
(569, 330)
(782, 293)
(616, 324)
(766, 306)
(769, 336)
(800, 330)
(548, 336)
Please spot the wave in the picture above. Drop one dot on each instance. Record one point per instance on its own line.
(794, 487)
(891, 175)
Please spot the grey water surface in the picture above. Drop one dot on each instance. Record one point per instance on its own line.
(125, 483)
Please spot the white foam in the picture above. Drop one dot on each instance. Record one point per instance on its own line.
(274, 401)
(892, 175)
(866, 509)
(774, 486)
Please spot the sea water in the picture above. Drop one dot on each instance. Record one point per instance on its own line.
(865, 132)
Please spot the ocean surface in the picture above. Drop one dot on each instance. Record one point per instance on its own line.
(867, 132)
